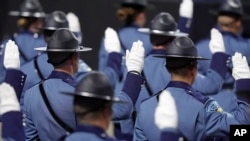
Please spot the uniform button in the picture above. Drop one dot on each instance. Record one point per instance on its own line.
(103, 135)
(35, 35)
(22, 76)
(21, 83)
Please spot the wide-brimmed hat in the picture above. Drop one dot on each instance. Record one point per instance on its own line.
(56, 20)
(182, 47)
(137, 3)
(29, 8)
(63, 40)
(228, 7)
(163, 24)
(95, 85)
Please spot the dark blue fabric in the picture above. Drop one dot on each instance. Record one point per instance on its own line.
(158, 51)
(115, 62)
(189, 90)
(64, 76)
(243, 85)
(170, 136)
(219, 63)
(184, 24)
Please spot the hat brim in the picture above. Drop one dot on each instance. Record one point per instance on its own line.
(216, 13)
(79, 49)
(49, 28)
(181, 56)
(27, 14)
(158, 32)
(97, 96)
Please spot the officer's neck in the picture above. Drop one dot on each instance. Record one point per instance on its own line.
(65, 70)
(187, 80)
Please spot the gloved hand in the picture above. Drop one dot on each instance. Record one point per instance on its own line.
(111, 41)
(74, 24)
(166, 115)
(135, 58)
(11, 56)
(240, 67)
(186, 9)
(216, 43)
(8, 99)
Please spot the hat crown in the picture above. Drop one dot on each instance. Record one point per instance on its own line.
(163, 22)
(182, 47)
(232, 6)
(135, 2)
(56, 20)
(63, 39)
(97, 84)
(31, 6)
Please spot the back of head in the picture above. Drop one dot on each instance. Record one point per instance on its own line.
(61, 46)
(130, 9)
(54, 21)
(231, 8)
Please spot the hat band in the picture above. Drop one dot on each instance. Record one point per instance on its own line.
(27, 14)
(87, 94)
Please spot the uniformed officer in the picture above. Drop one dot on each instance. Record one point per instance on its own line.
(29, 21)
(53, 120)
(93, 119)
(200, 117)
(148, 105)
(229, 23)
(132, 14)
(38, 68)
(10, 91)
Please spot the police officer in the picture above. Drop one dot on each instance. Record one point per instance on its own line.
(229, 23)
(10, 91)
(143, 122)
(132, 14)
(200, 117)
(29, 21)
(62, 51)
(38, 68)
(93, 119)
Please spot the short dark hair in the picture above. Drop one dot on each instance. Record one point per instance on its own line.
(58, 59)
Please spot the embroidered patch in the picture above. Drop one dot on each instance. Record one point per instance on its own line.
(213, 106)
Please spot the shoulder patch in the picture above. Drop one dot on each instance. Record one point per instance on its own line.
(213, 106)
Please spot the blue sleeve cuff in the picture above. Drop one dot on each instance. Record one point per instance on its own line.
(16, 79)
(170, 136)
(12, 126)
(115, 62)
(184, 24)
(219, 63)
(132, 86)
(243, 85)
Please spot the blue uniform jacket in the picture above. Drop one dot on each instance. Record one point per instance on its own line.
(26, 42)
(39, 122)
(198, 116)
(89, 133)
(127, 35)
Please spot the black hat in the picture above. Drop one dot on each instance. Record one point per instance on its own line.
(29, 8)
(95, 85)
(230, 7)
(63, 40)
(56, 20)
(182, 47)
(163, 24)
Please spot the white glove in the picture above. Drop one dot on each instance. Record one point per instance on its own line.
(135, 58)
(111, 41)
(166, 115)
(240, 67)
(74, 23)
(186, 8)
(8, 99)
(11, 56)
(216, 43)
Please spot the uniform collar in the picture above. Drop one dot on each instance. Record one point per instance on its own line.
(158, 51)
(64, 76)
(179, 84)
(92, 129)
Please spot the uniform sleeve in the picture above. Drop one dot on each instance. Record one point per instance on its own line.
(103, 57)
(129, 95)
(184, 24)
(31, 133)
(12, 126)
(212, 77)
(138, 131)
(218, 122)
(16, 79)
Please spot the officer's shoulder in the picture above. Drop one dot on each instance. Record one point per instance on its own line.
(150, 98)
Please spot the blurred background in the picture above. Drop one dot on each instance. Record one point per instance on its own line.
(96, 15)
